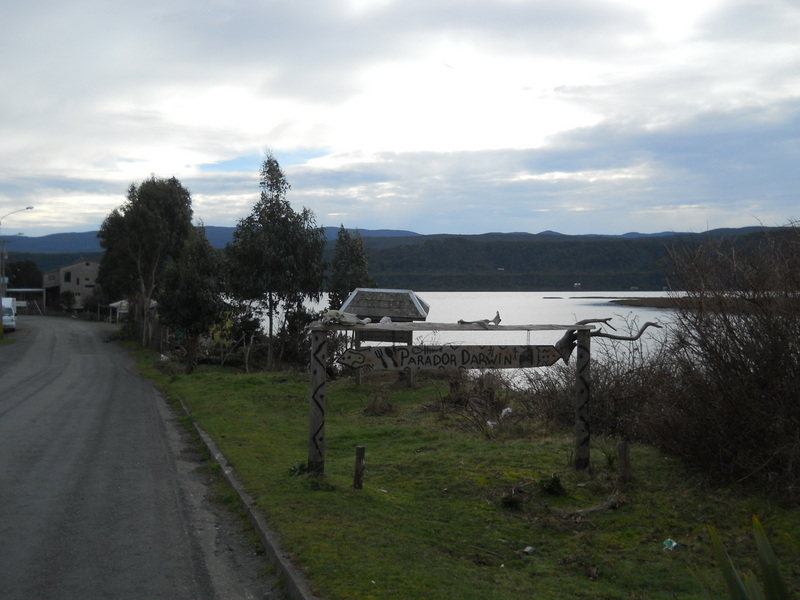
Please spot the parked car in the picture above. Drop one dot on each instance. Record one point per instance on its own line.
(9, 314)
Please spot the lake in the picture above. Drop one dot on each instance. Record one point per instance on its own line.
(536, 308)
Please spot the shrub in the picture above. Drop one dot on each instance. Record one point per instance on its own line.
(735, 359)
(628, 378)
(722, 392)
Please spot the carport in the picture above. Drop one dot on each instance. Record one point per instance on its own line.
(28, 299)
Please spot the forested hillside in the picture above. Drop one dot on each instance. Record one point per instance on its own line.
(461, 263)
(491, 261)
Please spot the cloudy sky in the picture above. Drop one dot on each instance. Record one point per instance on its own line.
(436, 116)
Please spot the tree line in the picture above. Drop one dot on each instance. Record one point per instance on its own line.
(174, 278)
(524, 263)
(486, 262)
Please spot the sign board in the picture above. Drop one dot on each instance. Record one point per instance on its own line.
(395, 337)
(417, 358)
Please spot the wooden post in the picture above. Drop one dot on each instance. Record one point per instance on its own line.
(583, 386)
(357, 344)
(316, 417)
(358, 480)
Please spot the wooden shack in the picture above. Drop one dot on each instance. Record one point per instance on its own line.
(401, 306)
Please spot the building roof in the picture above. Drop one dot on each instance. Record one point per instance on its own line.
(376, 303)
(80, 263)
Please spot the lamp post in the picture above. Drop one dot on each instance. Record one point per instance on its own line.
(3, 251)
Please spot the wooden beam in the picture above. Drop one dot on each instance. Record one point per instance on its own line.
(426, 326)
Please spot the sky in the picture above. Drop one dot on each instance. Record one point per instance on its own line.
(433, 116)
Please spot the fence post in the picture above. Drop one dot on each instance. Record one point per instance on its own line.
(583, 393)
(316, 417)
(357, 344)
(358, 478)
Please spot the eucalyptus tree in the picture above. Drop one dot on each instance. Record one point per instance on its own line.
(191, 299)
(349, 267)
(140, 238)
(23, 274)
(275, 258)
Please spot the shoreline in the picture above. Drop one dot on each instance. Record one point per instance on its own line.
(664, 303)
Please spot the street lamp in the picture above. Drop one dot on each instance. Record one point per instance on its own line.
(3, 251)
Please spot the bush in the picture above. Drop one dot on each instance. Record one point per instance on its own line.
(735, 356)
(628, 378)
(722, 392)
(549, 397)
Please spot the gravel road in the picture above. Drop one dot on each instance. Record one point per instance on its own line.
(100, 494)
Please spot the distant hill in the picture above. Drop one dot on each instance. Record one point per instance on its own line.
(55, 243)
(490, 261)
(87, 242)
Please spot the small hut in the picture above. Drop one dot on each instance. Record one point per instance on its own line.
(400, 306)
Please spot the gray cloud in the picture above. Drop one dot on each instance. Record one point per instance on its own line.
(681, 125)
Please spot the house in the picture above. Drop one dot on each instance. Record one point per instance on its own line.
(79, 279)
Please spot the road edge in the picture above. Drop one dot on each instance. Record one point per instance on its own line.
(293, 580)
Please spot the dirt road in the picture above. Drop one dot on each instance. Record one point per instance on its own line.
(100, 496)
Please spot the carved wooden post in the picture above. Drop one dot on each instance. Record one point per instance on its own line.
(583, 393)
(316, 417)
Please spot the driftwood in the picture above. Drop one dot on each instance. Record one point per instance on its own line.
(483, 322)
(626, 338)
(566, 345)
(612, 503)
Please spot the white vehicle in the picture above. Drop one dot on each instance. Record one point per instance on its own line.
(9, 314)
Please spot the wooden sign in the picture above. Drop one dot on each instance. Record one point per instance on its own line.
(418, 358)
(393, 337)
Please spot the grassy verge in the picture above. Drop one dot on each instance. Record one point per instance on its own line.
(447, 512)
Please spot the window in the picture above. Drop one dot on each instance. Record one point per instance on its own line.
(67, 276)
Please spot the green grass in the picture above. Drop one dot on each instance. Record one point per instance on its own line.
(448, 513)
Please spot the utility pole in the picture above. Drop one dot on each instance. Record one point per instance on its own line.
(3, 283)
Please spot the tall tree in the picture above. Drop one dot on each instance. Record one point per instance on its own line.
(349, 267)
(23, 274)
(140, 238)
(275, 256)
(190, 301)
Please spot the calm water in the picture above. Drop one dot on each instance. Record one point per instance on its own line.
(537, 308)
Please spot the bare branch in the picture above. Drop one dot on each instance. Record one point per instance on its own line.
(627, 338)
(590, 321)
(566, 345)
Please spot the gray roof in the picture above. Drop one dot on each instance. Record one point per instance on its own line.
(376, 303)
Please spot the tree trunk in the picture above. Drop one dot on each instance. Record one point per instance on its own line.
(270, 319)
(192, 341)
